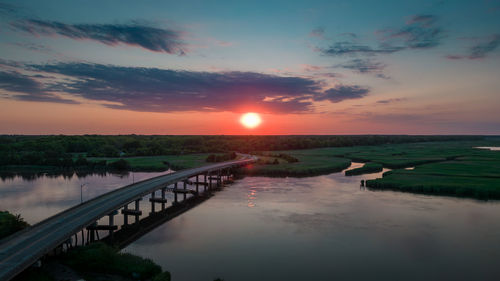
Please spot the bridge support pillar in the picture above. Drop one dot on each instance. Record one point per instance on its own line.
(184, 194)
(175, 194)
(125, 215)
(137, 209)
(91, 233)
(197, 182)
(205, 182)
(152, 200)
(131, 212)
(163, 197)
(210, 182)
(111, 217)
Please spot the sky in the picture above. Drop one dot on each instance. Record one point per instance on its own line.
(194, 67)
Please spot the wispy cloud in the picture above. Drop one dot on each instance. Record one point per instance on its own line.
(133, 34)
(343, 92)
(365, 66)
(481, 49)
(7, 9)
(419, 32)
(311, 68)
(387, 101)
(318, 32)
(352, 48)
(28, 88)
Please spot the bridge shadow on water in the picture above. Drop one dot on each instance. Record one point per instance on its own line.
(128, 234)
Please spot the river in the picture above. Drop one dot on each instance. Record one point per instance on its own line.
(316, 228)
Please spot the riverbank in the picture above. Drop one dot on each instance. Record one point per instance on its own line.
(446, 168)
(92, 262)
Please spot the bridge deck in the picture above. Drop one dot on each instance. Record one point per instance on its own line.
(20, 250)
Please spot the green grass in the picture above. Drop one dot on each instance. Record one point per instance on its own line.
(161, 163)
(477, 177)
(469, 173)
(311, 162)
(366, 169)
(101, 258)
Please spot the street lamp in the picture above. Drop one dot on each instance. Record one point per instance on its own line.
(81, 192)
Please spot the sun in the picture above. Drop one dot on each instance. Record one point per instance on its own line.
(250, 120)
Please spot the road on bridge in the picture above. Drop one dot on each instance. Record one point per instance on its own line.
(22, 249)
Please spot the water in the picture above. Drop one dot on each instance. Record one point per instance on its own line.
(494, 148)
(43, 196)
(318, 228)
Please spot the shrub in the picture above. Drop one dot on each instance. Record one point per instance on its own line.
(10, 223)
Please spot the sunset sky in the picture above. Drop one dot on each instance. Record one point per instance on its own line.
(194, 67)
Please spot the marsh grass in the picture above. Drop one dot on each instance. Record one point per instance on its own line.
(366, 169)
(101, 258)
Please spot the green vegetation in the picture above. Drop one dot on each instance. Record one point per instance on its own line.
(306, 163)
(366, 169)
(34, 274)
(74, 152)
(160, 163)
(101, 258)
(476, 175)
(10, 223)
(444, 164)
(446, 168)
(221, 157)
(120, 165)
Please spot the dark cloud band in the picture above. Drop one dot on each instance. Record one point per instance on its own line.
(161, 90)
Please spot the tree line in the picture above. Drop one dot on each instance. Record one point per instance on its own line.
(73, 151)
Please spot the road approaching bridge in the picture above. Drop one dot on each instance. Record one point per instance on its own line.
(24, 248)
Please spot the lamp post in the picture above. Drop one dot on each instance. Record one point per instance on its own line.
(81, 192)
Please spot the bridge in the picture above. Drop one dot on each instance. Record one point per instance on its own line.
(26, 247)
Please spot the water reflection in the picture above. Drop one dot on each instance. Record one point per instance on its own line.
(38, 196)
(324, 228)
(318, 228)
(252, 195)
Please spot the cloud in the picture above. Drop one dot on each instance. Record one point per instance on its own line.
(27, 88)
(148, 37)
(7, 9)
(480, 50)
(311, 68)
(163, 90)
(343, 92)
(387, 101)
(420, 32)
(160, 90)
(318, 32)
(365, 66)
(351, 48)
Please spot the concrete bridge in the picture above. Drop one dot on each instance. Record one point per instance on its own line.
(24, 248)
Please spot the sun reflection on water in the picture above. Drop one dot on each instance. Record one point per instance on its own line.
(252, 195)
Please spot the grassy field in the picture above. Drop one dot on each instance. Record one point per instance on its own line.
(475, 173)
(366, 169)
(99, 258)
(451, 168)
(308, 165)
(161, 163)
